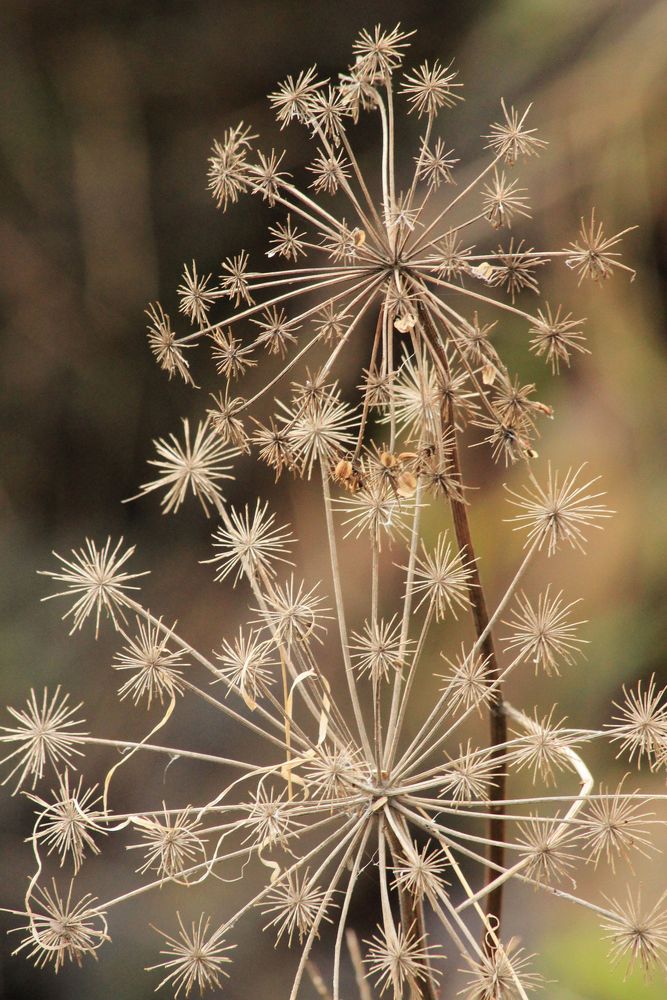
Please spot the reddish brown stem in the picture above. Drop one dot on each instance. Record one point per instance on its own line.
(412, 919)
(371, 366)
(497, 718)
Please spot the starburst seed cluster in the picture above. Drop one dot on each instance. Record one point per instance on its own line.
(348, 779)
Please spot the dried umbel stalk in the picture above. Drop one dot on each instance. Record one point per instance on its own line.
(349, 778)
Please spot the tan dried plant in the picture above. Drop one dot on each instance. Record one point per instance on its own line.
(349, 778)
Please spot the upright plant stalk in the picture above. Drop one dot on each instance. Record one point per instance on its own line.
(412, 915)
(480, 614)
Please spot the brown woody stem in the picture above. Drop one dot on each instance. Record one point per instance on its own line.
(412, 918)
(497, 718)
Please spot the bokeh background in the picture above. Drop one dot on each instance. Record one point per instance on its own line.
(107, 113)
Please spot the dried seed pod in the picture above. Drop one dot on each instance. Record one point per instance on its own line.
(407, 485)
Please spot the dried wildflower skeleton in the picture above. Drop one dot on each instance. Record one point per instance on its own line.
(348, 777)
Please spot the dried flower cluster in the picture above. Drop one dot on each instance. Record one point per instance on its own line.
(348, 776)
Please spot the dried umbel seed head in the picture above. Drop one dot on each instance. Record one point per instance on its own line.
(503, 972)
(155, 670)
(641, 726)
(61, 928)
(543, 633)
(194, 957)
(511, 139)
(467, 682)
(226, 423)
(338, 748)
(617, 825)
(560, 511)
(69, 822)
(294, 907)
(397, 253)
(44, 733)
(556, 337)
(95, 578)
(638, 933)
(442, 578)
(544, 746)
(396, 958)
(270, 819)
(248, 542)
(171, 845)
(195, 296)
(247, 663)
(592, 255)
(421, 872)
(195, 466)
(548, 850)
(166, 347)
(469, 775)
(379, 649)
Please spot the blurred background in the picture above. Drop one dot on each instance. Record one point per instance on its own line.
(107, 114)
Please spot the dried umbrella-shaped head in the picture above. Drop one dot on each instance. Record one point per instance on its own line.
(348, 767)
(389, 245)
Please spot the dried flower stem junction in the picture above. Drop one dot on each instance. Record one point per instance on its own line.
(352, 773)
